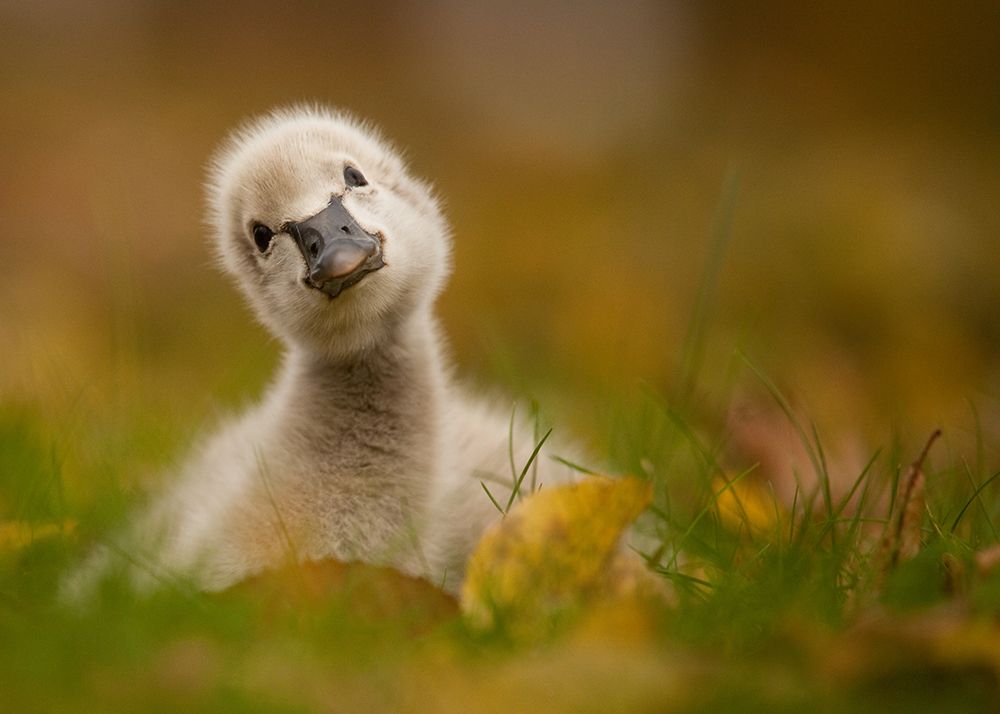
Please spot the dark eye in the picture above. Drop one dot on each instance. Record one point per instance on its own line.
(353, 177)
(262, 236)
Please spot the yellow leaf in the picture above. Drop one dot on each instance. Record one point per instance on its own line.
(15, 535)
(549, 553)
(745, 506)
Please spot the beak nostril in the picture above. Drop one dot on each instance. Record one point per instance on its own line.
(337, 251)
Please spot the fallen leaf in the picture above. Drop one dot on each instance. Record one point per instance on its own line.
(551, 553)
(761, 433)
(745, 506)
(370, 593)
(988, 559)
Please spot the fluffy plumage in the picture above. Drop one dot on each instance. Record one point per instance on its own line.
(363, 447)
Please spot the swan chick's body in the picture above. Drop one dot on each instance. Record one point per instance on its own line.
(363, 447)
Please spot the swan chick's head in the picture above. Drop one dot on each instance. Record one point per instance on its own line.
(325, 231)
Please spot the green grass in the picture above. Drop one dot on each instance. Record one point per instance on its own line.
(767, 622)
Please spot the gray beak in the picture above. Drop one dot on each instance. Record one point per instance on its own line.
(338, 252)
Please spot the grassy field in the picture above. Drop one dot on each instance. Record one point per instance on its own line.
(775, 609)
(867, 597)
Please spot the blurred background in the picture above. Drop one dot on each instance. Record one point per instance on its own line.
(825, 178)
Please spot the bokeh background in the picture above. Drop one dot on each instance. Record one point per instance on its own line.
(825, 177)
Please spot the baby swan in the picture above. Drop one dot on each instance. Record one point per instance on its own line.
(363, 448)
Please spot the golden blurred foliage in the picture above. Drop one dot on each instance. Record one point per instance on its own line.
(747, 507)
(581, 153)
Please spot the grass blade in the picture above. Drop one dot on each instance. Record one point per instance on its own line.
(510, 443)
(705, 510)
(492, 499)
(973, 497)
(524, 472)
(692, 351)
(574, 466)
